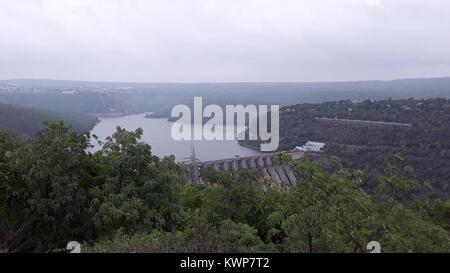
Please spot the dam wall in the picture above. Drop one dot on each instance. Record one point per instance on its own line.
(277, 175)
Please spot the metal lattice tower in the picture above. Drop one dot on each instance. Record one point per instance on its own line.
(193, 161)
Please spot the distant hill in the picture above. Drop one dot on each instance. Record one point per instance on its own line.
(25, 122)
(369, 145)
(104, 97)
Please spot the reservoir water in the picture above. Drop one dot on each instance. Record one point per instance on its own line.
(157, 133)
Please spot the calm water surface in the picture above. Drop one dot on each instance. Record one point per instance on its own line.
(157, 134)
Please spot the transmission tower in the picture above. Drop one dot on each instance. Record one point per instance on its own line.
(193, 160)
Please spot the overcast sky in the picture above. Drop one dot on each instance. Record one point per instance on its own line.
(224, 40)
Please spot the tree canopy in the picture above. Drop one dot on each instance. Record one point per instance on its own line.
(123, 198)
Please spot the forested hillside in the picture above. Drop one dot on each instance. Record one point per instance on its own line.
(26, 122)
(366, 146)
(124, 199)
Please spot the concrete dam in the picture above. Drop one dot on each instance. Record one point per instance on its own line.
(280, 175)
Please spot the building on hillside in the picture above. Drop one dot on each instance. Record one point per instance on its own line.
(311, 146)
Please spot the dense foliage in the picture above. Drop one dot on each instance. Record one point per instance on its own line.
(124, 199)
(425, 145)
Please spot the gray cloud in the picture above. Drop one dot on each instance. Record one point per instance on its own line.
(224, 40)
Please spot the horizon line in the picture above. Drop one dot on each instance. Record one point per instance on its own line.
(219, 82)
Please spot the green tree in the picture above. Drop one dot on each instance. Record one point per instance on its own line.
(327, 211)
(230, 198)
(14, 223)
(241, 237)
(137, 189)
(58, 174)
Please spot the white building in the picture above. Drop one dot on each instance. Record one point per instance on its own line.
(310, 147)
